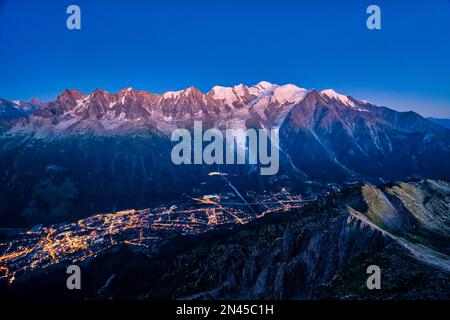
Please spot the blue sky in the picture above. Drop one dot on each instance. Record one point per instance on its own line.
(170, 45)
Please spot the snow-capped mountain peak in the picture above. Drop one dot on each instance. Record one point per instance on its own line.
(220, 92)
(289, 93)
(172, 94)
(264, 104)
(227, 94)
(126, 91)
(330, 94)
(177, 94)
(263, 87)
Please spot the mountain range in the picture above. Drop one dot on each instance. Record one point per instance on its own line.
(100, 152)
(264, 104)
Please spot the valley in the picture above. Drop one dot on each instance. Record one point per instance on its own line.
(89, 179)
(296, 249)
(42, 247)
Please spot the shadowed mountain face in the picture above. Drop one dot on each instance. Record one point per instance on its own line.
(63, 179)
(320, 251)
(14, 110)
(103, 151)
(344, 140)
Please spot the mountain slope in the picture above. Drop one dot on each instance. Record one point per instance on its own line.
(342, 138)
(59, 180)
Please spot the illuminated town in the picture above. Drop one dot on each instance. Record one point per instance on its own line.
(42, 246)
